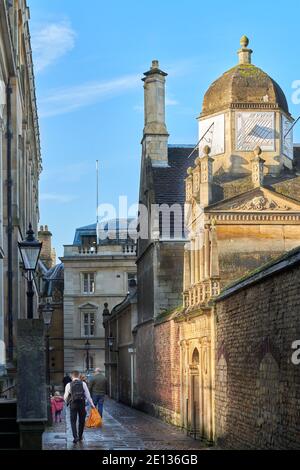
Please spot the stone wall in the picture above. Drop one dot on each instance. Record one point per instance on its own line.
(168, 288)
(160, 273)
(257, 395)
(145, 268)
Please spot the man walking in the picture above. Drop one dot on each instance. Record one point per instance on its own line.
(97, 388)
(67, 379)
(76, 393)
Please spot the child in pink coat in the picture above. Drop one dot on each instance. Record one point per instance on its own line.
(57, 405)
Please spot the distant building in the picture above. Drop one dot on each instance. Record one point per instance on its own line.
(97, 270)
(120, 358)
(51, 290)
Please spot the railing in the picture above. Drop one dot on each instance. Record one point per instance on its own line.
(7, 389)
(201, 293)
(129, 248)
(88, 251)
(73, 250)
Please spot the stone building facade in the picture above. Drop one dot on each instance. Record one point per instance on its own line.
(161, 237)
(120, 357)
(20, 165)
(242, 210)
(51, 291)
(240, 216)
(97, 270)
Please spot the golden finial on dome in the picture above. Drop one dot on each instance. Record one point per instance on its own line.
(244, 41)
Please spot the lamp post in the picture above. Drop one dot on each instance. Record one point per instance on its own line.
(30, 250)
(111, 340)
(87, 359)
(47, 317)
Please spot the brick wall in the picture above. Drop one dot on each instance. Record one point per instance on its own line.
(257, 396)
(158, 370)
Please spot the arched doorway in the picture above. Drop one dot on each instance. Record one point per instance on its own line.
(195, 394)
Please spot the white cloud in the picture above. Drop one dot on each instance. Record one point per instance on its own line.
(59, 198)
(50, 42)
(66, 100)
(171, 102)
(71, 173)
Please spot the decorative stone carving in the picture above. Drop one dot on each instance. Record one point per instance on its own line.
(259, 203)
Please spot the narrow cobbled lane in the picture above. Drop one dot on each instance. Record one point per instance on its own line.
(124, 428)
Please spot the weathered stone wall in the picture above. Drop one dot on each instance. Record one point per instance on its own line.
(158, 370)
(243, 248)
(145, 274)
(257, 396)
(168, 288)
(160, 274)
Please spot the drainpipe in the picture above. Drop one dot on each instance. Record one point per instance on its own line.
(9, 137)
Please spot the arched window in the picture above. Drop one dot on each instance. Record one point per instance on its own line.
(195, 356)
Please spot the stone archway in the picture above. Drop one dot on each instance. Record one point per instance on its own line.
(195, 393)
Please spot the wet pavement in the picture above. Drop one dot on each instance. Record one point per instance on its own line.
(124, 428)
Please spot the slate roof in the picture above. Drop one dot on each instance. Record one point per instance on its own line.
(91, 230)
(169, 185)
(169, 182)
(53, 278)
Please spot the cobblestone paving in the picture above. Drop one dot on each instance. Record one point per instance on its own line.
(123, 429)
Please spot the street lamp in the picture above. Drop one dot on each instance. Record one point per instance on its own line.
(111, 340)
(47, 312)
(87, 359)
(30, 250)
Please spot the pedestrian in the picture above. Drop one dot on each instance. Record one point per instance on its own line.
(83, 378)
(76, 393)
(97, 388)
(57, 405)
(67, 379)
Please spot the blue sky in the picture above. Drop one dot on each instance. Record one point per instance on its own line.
(89, 59)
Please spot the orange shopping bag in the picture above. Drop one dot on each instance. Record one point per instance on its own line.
(94, 419)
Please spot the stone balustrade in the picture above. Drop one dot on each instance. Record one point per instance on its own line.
(200, 294)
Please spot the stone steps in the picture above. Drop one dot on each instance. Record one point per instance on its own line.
(9, 429)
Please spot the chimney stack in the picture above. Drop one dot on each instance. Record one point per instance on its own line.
(48, 256)
(155, 135)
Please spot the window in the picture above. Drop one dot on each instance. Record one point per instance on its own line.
(89, 283)
(130, 277)
(89, 324)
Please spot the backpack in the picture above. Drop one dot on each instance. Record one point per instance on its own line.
(77, 391)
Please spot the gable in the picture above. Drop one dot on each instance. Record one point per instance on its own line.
(257, 200)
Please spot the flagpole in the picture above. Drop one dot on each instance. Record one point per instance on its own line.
(97, 190)
(97, 201)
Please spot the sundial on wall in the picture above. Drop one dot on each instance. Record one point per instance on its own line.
(211, 133)
(254, 129)
(287, 137)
